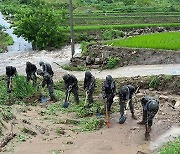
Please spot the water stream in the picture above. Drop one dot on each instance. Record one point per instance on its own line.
(20, 44)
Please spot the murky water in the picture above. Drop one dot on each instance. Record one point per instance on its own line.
(20, 44)
(169, 135)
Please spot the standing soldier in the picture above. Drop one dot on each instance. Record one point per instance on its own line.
(71, 85)
(10, 73)
(150, 108)
(46, 67)
(47, 80)
(125, 93)
(89, 84)
(108, 91)
(31, 72)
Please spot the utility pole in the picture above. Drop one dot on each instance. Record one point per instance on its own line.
(71, 27)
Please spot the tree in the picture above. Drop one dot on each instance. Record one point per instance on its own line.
(40, 26)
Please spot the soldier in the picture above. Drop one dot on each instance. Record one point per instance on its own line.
(150, 108)
(46, 68)
(89, 84)
(108, 91)
(71, 85)
(31, 72)
(10, 73)
(125, 93)
(47, 80)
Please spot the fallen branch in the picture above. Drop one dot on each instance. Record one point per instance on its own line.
(6, 139)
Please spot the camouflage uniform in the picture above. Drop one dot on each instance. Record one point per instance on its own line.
(31, 72)
(89, 84)
(108, 91)
(10, 72)
(71, 85)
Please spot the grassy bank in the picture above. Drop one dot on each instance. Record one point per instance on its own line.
(166, 40)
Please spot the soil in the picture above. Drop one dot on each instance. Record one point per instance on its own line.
(98, 56)
(127, 138)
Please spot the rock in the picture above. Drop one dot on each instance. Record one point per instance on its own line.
(139, 95)
(163, 97)
(177, 104)
(97, 61)
(89, 60)
(95, 66)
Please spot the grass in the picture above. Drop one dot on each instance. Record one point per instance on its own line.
(165, 40)
(171, 147)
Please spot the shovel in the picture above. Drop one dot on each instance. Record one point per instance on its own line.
(66, 103)
(43, 97)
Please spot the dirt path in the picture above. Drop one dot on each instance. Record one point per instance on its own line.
(63, 57)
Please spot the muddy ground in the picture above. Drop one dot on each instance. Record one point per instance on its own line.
(127, 138)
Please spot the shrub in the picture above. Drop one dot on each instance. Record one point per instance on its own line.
(112, 62)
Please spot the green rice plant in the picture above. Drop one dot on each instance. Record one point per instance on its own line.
(171, 147)
(165, 40)
(112, 62)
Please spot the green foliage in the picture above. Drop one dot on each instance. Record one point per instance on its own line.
(171, 147)
(71, 68)
(112, 34)
(90, 124)
(165, 40)
(5, 40)
(84, 47)
(4, 98)
(128, 2)
(22, 88)
(6, 113)
(154, 82)
(22, 138)
(39, 25)
(112, 62)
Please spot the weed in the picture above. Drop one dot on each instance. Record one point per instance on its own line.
(112, 62)
(22, 88)
(171, 147)
(71, 68)
(168, 77)
(28, 131)
(154, 82)
(59, 131)
(90, 124)
(22, 138)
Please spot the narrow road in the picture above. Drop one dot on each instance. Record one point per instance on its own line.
(63, 57)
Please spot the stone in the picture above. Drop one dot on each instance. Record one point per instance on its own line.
(95, 66)
(97, 61)
(139, 95)
(163, 97)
